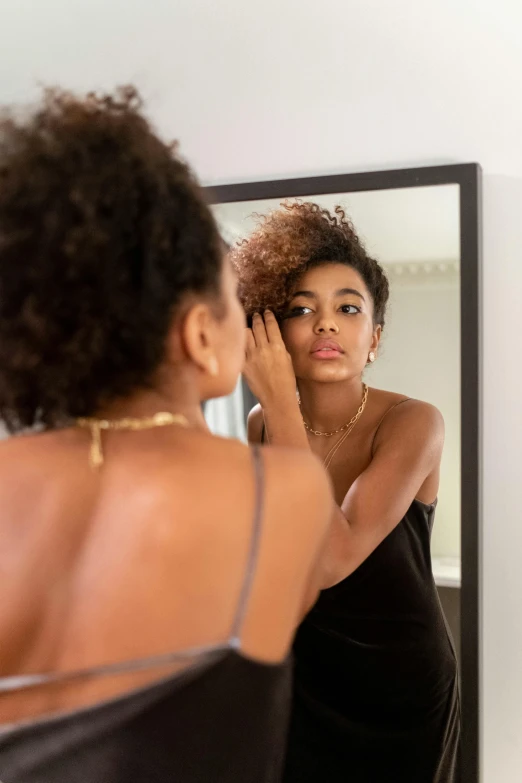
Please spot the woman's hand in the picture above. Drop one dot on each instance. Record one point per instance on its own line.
(268, 366)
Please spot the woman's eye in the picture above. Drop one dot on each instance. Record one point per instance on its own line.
(350, 309)
(295, 311)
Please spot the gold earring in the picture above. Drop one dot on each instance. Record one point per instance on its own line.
(371, 357)
(213, 367)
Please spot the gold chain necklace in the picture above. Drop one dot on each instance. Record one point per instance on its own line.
(335, 448)
(147, 422)
(333, 451)
(353, 421)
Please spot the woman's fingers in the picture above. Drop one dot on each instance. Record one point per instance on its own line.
(250, 342)
(259, 331)
(272, 329)
(268, 366)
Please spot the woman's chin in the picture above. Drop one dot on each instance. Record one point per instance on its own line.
(325, 373)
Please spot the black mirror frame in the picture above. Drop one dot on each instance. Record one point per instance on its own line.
(469, 177)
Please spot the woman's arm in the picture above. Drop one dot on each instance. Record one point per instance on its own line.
(407, 454)
(408, 450)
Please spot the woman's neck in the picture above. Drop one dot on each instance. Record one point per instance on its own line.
(146, 403)
(328, 406)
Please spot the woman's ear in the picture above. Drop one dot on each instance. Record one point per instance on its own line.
(197, 331)
(376, 338)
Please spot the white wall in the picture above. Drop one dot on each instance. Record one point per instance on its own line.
(292, 87)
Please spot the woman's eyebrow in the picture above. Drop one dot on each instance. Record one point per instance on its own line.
(347, 291)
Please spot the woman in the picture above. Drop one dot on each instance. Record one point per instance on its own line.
(144, 623)
(376, 693)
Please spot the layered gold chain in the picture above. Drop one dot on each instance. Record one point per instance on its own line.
(346, 429)
(353, 421)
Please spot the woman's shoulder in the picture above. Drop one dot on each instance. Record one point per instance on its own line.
(287, 459)
(192, 452)
(398, 414)
(281, 462)
(30, 455)
(387, 401)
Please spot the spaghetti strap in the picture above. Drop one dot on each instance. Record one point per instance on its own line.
(23, 681)
(237, 626)
(263, 432)
(386, 412)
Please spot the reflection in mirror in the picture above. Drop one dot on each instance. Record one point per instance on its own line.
(414, 233)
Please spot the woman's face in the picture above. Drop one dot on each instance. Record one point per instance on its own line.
(328, 326)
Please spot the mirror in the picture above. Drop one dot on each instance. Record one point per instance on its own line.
(422, 227)
(414, 233)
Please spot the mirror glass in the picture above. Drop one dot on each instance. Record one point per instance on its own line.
(415, 234)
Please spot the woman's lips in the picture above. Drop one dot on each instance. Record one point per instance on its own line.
(327, 353)
(326, 349)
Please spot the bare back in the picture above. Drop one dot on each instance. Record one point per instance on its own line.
(146, 556)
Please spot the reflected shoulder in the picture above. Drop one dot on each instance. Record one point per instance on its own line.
(412, 419)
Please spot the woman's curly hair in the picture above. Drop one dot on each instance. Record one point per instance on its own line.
(103, 230)
(293, 239)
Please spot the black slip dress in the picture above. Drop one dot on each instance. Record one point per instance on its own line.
(376, 690)
(223, 719)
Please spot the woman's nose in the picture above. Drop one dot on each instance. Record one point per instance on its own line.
(326, 326)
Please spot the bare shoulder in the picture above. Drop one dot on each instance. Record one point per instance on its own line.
(170, 475)
(297, 496)
(299, 505)
(298, 476)
(417, 414)
(255, 424)
(22, 453)
(296, 485)
(290, 475)
(297, 510)
(408, 420)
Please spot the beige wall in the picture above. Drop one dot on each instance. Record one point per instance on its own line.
(420, 357)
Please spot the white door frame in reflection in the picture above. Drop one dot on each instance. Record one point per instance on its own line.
(468, 177)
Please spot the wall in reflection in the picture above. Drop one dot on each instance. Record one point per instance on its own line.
(423, 325)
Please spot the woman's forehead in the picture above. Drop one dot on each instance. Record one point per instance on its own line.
(329, 276)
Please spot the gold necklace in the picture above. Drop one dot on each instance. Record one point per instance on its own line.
(353, 421)
(335, 448)
(146, 422)
(333, 451)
